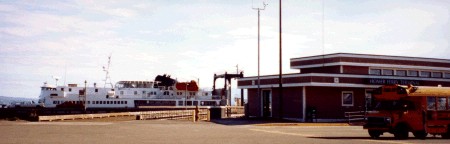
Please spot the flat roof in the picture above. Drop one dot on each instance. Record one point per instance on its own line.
(372, 56)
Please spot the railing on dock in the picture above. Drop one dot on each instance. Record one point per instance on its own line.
(356, 117)
(85, 116)
(203, 113)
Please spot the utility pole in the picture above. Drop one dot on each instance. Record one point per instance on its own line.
(259, 9)
(280, 77)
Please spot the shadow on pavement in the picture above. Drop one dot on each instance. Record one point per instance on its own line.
(368, 138)
(248, 121)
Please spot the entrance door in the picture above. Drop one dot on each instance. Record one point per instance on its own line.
(267, 103)
(369, 100)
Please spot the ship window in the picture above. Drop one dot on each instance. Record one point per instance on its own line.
(400, 72)
(121, 92)
(62, 89)
(375, 71)
(96, 90)
(413, 73)
(135, 92)
(115, 102)
(425, 74)
(143, 92)
(89, 102)
(112, 89)
(70, 89)
(388, 72)
(436, 74)
(126, 102)
(447, 75)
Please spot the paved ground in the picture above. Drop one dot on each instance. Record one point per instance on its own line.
(126, 130)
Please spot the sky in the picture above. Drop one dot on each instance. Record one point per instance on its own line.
(194, 39)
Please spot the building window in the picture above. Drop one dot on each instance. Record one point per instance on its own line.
(388, 72)
(347, 98)
(400, 72)
(413, 73)
(447, 75)
(436, 74)
(425, 74)
(375, 71)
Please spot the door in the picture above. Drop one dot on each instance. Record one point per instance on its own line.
(267, 103)
(368, 100)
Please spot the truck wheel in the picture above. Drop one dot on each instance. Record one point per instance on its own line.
(375, 134)
(401, 132)
(420, 134)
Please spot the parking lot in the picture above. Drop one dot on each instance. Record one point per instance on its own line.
(183, 131)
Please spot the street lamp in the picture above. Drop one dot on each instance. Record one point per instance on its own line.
(259, 9)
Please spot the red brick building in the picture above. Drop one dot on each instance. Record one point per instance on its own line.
(333, 84)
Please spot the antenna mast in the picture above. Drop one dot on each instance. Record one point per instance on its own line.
(108, 79)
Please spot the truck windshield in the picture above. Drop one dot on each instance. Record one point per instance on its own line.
(394, 105)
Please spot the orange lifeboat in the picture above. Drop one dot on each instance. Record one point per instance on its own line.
(191, 86)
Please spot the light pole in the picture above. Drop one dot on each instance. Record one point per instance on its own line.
(259, 9)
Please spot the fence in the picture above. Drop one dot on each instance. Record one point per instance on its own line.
(356, 117)
(203, 114)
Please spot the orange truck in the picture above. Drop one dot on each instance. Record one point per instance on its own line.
(399, 110)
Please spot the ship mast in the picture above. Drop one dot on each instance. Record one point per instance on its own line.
(106, 69)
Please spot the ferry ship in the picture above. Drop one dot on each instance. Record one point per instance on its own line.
(163, 91)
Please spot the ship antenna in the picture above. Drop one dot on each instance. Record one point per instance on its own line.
(106, 70)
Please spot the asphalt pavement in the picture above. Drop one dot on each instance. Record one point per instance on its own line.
(228, 131)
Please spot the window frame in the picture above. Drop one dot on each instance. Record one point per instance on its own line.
(383, 72)
(433, 76)
(425, 76)
(375, 69)
(408, 73)
(446, 75)
(352, 96)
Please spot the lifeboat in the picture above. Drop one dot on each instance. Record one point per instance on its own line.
(191, 86)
